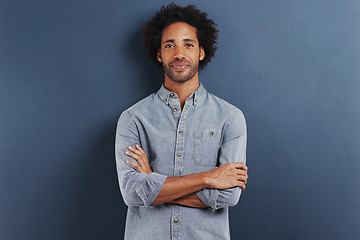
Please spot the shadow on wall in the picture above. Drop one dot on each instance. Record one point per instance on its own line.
(99, 211)
(100, 201)
(149, 76)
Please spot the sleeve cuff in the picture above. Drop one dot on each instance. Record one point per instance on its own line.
(150, 188)
(209, 197)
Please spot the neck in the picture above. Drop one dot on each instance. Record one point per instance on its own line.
(182, 89)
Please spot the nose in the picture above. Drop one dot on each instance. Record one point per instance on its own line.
(179, 53)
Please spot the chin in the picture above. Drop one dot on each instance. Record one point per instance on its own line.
(180, 80)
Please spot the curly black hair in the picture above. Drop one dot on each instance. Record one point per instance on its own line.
(206, 31)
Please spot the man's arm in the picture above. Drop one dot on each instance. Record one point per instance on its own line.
(137, 189)
(143, 166)
(179, 190)
(191, 200)
(233, 149)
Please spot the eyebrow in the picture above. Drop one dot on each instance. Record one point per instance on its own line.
(185, 40)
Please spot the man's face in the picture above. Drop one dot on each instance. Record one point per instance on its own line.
(180, 52)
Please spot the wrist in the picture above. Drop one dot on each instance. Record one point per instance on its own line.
(208, 181)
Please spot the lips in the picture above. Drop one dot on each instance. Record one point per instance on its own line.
(179, 66)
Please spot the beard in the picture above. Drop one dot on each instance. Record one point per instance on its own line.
(180, 77)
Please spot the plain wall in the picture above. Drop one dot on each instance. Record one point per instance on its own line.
(69, 68)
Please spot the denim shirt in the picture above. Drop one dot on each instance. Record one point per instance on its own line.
(206, 133)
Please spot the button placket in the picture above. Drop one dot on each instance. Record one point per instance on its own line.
(174, 104)
(178, 165)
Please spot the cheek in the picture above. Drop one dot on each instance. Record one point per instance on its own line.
(196, 57)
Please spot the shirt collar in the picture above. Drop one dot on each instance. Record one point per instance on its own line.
(165, 94)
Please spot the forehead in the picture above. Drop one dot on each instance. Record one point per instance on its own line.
(179, 30)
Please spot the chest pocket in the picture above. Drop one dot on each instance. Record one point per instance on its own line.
(206, 147)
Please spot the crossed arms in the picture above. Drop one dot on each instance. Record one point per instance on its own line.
(218, 188)
(181, 190)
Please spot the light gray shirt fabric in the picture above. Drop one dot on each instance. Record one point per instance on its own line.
(206, 133)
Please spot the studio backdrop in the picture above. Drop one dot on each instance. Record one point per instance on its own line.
(69, 68)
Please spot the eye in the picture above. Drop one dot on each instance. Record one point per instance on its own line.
(169, 46)
(189, 45)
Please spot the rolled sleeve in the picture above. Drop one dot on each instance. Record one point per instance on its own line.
(218, 199)
(137, 189)
(233, 149)
(150, 188)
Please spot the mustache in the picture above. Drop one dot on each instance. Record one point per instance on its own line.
(180, 61)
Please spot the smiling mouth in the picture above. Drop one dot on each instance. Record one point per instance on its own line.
(180, 66)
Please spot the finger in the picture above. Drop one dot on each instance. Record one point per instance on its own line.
(140, 149)
(142, 152)
(134, 150)
(241, 165)
(241, 172)
(136, 165)
(133, 155)
(242, 185)
(242, 178)
(237, 165)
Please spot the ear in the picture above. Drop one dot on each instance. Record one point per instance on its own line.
(159, 55)
(202, 53)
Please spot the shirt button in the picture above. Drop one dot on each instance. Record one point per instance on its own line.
(179, 154)
(171, 94)
(195, 99)
(175, 109)
(180, 132)
(211, 133)
(176, 221)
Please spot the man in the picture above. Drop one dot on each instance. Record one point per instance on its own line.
(180, 152)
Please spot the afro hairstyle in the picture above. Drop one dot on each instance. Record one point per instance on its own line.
(172, 13)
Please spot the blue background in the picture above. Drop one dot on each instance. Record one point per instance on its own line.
(69, 68)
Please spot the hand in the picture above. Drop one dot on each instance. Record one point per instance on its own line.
(142, 164)
(228, 175)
